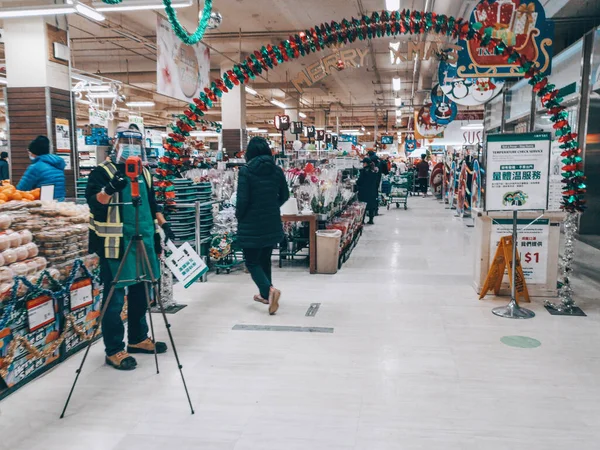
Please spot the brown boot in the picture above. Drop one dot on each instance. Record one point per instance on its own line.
(147, 346)
(274, 295)
(121, 361)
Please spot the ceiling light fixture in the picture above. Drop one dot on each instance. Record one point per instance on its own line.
(50, 10)
(138, 5)
(89, 12)
(472, 126)
(249, 90)
(398, 101)
(3, 81)
(302, 115)
(102, 95)
(392, 5)
(278, 103)
(275, 134)
(258, 130)
(348, 131)
(396, 83)
(147, 104)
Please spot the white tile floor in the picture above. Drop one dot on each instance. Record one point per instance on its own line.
(415, 362)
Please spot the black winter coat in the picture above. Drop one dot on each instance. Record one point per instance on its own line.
(368, 187)
(262, 189)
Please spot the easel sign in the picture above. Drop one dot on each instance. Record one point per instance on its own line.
(517, 172)
(502, 261)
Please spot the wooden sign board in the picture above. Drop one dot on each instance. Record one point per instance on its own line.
(59, 36)
(503, 260)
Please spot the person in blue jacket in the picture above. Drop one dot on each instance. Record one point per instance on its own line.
(45, 169)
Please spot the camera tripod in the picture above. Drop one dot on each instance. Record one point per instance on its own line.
(142, 261)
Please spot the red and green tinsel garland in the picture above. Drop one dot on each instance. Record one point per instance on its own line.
(370, 27)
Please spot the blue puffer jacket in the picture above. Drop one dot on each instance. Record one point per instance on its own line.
(45, 170)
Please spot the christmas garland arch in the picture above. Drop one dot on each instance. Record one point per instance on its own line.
(380, 25)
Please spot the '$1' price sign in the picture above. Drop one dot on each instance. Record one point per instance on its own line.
(532, 257)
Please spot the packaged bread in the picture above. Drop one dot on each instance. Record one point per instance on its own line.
(6, 275)
(10, 256)
(32, 250)
(22, 253)
(5, 221)
(26, 236)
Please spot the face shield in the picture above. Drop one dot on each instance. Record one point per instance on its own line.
(129, 143)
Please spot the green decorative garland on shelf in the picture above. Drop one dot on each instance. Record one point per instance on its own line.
(178, 29)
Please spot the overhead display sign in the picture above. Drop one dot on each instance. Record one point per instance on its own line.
(520, 24)
(182, 70)
(517, 171)
(98, 117)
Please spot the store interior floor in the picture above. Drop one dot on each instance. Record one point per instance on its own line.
(415, 361)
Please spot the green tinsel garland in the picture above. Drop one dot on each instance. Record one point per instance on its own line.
(180, 31)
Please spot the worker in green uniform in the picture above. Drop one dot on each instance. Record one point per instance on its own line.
(112, 227)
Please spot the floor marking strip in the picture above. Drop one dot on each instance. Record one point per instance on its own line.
(283, 328)
(313, 309)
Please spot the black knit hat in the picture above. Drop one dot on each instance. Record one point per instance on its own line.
(40, 146)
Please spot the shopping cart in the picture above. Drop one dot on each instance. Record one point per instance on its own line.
(386, 189)
(401, 185)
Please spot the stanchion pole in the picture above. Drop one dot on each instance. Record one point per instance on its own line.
(513, 310)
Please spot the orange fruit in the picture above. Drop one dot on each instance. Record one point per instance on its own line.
(16, 196)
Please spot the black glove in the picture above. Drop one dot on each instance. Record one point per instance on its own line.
(117, 184)
(169, 235)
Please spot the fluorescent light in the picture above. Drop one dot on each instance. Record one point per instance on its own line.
(102, 95)
(396, 83)
(398, 101)
(203, 133)
(348, 131)
(88, 12)
(49, 10)
(392, 5)
(472, 126)
(80, 77)
(398, 112)
(278, 103)
(302, 115)
(362, 128)
(259, 130)
(3, 81)
(274, 134)
(133, 5)
(369, 133)
(2, 103)
(249, 90)
(147, 104)
(251, 128)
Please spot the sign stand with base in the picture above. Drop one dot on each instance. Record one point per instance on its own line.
(513, 310)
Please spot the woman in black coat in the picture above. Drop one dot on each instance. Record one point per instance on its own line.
(262, 189)
(368, 187)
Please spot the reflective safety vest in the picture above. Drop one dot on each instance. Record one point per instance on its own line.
(112, 229)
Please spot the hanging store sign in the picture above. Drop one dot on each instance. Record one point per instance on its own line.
(98, 117)
(340, 60)
(517, 171)
(182, 70)
(138, 121)
(533, 241)
(520, 24)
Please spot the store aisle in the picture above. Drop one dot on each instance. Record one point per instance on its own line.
(415, 361)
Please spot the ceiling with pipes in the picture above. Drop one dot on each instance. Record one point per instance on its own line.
(123, 48)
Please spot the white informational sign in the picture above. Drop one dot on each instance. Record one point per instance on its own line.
(81, 294)
(533, 241)
(63, 141)
(98, 117)
(185, 264)
(182, 70)
(517, 172)
(555, 184)
(137, 120)
(47, 193)
(40, 312)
